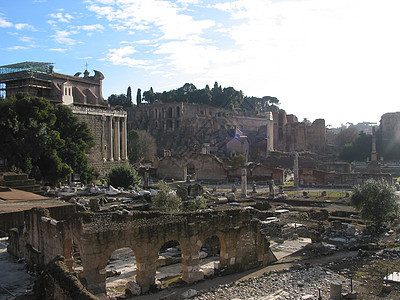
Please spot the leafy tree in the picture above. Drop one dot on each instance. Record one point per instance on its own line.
(28, 141)
(346, 136)
(45, 143)
(147, 144)
(121, 99)
(148, 96)
(376, 200)
(129, 96)
(78, 140)
(139, 97)
(166, 200)
(198, 203)
(124, 176)
(135, 152)
(359, 150)
(140, 145)
(239, 161)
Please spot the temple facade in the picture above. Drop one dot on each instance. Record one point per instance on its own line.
(83, 94)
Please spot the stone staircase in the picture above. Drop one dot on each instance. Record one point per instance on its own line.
(19, 182)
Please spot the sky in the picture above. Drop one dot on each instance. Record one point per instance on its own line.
(333, 59)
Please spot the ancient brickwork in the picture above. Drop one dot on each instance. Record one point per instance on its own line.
(200, 166)
(292, 135)
(183, 127)
(309, 177)
(97, 236)
(390, 127)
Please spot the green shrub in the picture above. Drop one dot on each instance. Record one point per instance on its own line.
(198, 203)
(376, 200)
(124, 176)
(166, 200)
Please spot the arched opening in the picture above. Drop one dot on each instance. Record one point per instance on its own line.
(191, 171)
(121, 269)
(169, 264)
(178, 111)
(169, 114)
(169, 124)
(210, 256)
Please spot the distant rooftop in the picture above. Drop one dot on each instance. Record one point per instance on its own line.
(28, 66)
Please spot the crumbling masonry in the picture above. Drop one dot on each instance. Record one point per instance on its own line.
(242, 245)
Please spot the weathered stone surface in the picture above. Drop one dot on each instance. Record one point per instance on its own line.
(98, 235)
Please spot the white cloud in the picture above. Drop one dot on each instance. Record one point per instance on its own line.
(4, 23)
(94, 27)
(25, 39)
(23, 26)
(62, 17)
(62, 37)
(121, 56)
(62, 50)
(17, 48)
(139, 15)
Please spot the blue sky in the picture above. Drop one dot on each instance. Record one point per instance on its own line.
(332, 59)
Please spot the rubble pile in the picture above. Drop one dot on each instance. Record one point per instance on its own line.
(305, 283)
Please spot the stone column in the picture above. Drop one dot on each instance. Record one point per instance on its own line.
(296, 169)
(244, 182)
(111, 141)
(124, 140)
(191, 262)
(118, 139)
(95, 275)
(146, 271)
(270, 133)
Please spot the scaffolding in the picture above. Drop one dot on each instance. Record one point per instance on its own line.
(41, 67)
(31, 77)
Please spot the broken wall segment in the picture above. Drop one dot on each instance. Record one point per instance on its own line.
(99, 235)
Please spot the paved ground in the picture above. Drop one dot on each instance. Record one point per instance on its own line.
(14, 279)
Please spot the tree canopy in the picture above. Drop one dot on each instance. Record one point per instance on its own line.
(140, 145)
(227, 97)
(358, 150)
(120, 99)
(45, 143)
(376, 200)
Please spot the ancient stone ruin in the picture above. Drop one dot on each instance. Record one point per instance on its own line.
(97, 236)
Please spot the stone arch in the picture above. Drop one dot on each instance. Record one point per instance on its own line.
(189, 170)
(169, 112)
(215, 247)
(169, 124)
(127, 272)
(169, 253)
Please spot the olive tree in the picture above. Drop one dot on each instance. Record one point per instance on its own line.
(376, 200)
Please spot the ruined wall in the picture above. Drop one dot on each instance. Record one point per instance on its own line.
(258, 172)
(205, 166)
(318, 177)
(16, 219)
(292, 135)
(390, 127)
(98, 235)
(58, 282)
(183, 127)
(190, 125)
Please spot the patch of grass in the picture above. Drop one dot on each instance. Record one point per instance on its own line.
(169, 280)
